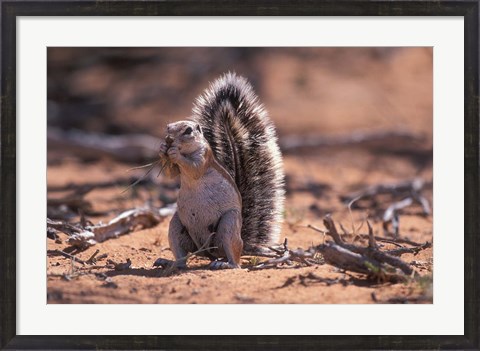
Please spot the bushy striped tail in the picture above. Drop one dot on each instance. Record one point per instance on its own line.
(244, 141)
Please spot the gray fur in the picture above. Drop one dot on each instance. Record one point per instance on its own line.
(209, 204)
(232, 184)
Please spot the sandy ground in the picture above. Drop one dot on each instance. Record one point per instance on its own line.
(385, 93)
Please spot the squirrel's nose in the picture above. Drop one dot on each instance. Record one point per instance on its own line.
(169, 140)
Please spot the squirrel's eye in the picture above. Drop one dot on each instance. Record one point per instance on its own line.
(188, 131)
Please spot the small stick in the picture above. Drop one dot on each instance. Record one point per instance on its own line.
(92, 258)
(287, 257)
(204, 247)
(343, 228)
(324, 232)
(141, 178)
(393, 208)
(350, 212)
(332, 230)
(317, 229)
(161, 169)
(404, 250)
(395, 242)
(102, 256)
(74, 258)
(424, 202)
(391, 215)
(343, 258)
(64, 227)
(413, 186)
(173, 264)
(371, 238)
(124, 223)
(375, 254)
(140, 167)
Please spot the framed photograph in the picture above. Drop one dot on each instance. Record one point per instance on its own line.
(216, 175)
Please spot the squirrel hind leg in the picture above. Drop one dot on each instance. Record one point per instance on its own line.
(228, 240)
(180, 241)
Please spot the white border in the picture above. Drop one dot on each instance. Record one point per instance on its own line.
(445, 316)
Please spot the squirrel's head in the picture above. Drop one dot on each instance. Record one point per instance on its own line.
(186, 135)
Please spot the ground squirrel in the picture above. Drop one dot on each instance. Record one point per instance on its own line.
(231, 176)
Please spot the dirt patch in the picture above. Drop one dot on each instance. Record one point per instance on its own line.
(333, 92)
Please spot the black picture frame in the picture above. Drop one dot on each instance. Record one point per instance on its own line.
(9, 12)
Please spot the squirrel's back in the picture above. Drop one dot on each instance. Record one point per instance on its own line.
(244, 142)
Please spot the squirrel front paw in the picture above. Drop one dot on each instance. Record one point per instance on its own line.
(162, 152)
(163, 148)
(174, 154)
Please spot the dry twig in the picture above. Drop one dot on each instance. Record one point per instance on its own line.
(372, 255)
(67, 255)
(409, 192)
(85, 236)
(125, 223)
(400, 189)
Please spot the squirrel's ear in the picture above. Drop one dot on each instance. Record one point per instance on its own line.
(198, 128)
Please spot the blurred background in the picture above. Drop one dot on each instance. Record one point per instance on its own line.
(346, 117)
(325, 91)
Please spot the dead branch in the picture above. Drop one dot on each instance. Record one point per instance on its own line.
(391, 215)
(371, 238)
(343, 258)
(393, 208)
(101, 257)
(332, 230)
(67, 228)
(366, 260)
(409, 192)
(274, 262)
(404, 250)
(287, 256)
(92, 258)
(395, 242)
(424, 203)
(125, 223)
(368, 253)
(83, 236)
(52, 234)
(389, 259)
